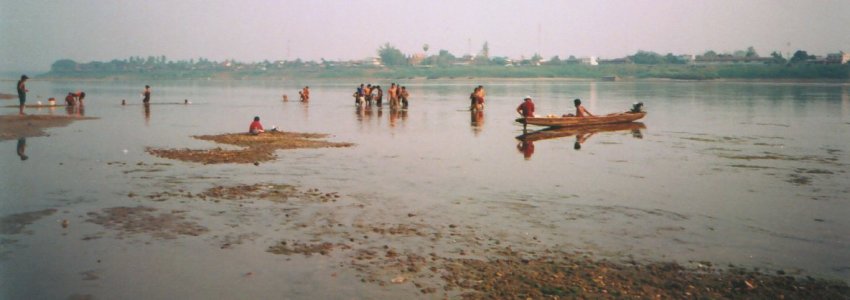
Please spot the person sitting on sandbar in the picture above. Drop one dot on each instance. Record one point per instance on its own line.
(256, 127)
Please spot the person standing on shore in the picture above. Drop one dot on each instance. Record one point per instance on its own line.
(146, 94)
(22, 92)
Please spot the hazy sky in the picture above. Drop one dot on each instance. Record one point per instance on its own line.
(35, 33)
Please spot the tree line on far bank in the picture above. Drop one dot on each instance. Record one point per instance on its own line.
(392, 63)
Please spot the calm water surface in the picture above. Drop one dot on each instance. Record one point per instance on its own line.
(751, 174)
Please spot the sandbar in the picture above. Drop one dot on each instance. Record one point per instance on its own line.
(256, 148)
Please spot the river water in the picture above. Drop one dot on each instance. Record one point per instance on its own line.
(746, 173)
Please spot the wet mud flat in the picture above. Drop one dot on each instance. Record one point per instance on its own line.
(17, 126)
(254, 148)
(419, 253)
(389, 246)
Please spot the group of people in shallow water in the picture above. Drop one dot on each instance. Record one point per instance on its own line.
(366, 94)
(71, 100)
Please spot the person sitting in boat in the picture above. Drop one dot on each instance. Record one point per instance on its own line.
(580, 110)
(256, 127)
(526, 109)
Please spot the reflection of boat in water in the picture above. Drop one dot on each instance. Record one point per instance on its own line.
(582, 133)
(583, 121)
(559, 132)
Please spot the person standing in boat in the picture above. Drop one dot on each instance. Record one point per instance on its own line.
(526, 109)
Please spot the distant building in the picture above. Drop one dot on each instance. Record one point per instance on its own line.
(838, 58)
(591, 61)
(370, 61)
(416, 59)
(729, 59)
(614, 61)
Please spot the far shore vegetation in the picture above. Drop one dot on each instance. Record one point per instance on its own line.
(391, 63)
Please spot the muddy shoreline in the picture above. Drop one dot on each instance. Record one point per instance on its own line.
(16, 126)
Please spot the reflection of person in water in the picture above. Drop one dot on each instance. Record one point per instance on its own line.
(581, 138)
(637, 134)
(22, 147)
(526, 148)
(476, 120)
(147, 113)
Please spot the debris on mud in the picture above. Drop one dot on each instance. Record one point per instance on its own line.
(142, 219)
(304, 248)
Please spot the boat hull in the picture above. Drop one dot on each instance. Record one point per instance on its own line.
(583, 121)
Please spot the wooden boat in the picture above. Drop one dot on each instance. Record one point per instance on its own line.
(559, 132)
(582, 121)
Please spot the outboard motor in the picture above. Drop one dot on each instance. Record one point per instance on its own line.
(637, 107)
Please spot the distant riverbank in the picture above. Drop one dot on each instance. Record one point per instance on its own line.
(601, 72)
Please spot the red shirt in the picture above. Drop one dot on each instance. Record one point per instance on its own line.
(255, 126)
(527, 109)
